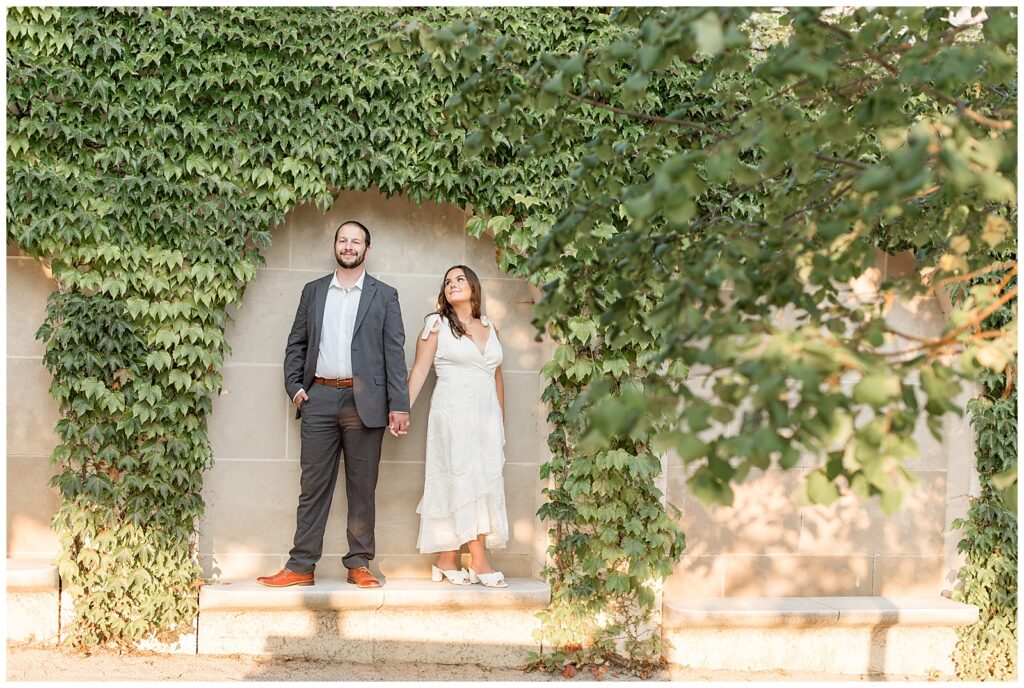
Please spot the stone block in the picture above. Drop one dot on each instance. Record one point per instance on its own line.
(795, 575)
(33, 601)
(854, 526)
(409, 565)
(250, 507)
(311, 239)
(220, 566)
(399, 489)
(763, 518)
(406, 237)
(248, 417)
(961, 484)
(279, 254)
(168, 644)
(401, 621)
(258, 332)
(521, 505)
(512, 565)
(523, 414)
(417, 297)
(931, 452)
(697, 577)
(925, 610)
(25, 574)
(28, 288)
(341, 635)
(31, 411)
(32, 616)
(498, 638)
(906, 575)
(509, 302)
(753, 612)
(31, 504)
(845, 635)
(248, 595)
(481, 255)
(835, 650)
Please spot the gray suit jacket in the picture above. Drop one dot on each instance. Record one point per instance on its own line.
(379, 375)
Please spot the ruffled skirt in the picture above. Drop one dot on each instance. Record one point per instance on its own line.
(463, 491)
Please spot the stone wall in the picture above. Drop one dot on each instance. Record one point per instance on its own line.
(763, 545)
(31, 413)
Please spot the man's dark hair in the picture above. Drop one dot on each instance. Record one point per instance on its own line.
(360, 225)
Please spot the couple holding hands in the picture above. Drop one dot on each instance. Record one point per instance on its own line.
(345, 371)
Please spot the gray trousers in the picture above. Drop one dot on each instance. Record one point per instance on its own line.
(330, 426)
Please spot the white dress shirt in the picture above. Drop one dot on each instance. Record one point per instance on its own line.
(335, 357)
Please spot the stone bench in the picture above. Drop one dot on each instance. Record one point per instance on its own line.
(33, 601)
(842, 635)
(403, 620)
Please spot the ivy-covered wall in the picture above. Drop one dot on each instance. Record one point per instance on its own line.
(764, 544)
(150, 152)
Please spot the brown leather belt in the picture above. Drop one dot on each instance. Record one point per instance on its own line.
(347, 382)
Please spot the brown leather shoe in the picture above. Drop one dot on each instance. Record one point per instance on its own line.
(284, 578)
(363, 578)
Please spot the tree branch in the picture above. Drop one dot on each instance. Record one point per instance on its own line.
(643, 116)
(961, 107)
(842, 161)
(978, 273)
(980, 317)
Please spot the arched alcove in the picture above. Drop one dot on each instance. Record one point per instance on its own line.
(252, 490)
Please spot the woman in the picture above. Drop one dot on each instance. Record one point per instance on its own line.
(463, 493)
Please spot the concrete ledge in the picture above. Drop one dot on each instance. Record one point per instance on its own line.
(245, 595)
(843, 635)
(768, 612)
(403, 620)
(24, 575)
(33, 603)
(242, 595)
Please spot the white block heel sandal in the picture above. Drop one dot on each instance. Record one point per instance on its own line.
(455, 577)
(488, 580)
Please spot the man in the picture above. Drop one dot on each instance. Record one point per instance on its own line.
(344, 369)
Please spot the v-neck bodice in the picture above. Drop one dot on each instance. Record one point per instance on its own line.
(461, 355)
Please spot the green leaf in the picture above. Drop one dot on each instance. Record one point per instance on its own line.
(708, 33)
(821, 490)
(877, 390)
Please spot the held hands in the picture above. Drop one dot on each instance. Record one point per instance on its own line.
(398, 423)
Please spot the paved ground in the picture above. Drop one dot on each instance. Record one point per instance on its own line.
(28, 663)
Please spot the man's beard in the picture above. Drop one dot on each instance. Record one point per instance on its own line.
(356, 261)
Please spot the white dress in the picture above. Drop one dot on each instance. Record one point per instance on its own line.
(463, 491)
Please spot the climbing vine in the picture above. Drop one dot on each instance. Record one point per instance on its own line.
(987, 650)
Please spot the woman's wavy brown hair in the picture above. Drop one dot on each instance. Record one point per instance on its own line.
(445, 310)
